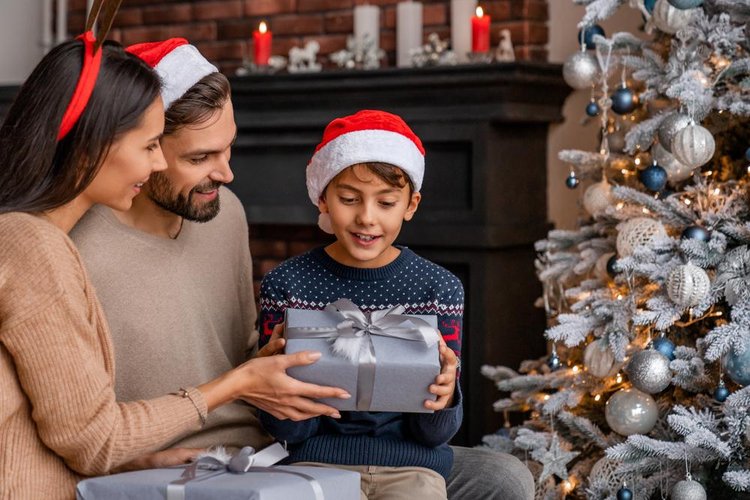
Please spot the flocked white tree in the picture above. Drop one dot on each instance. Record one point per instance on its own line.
(646, 392)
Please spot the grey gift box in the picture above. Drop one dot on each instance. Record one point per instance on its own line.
(262, 483)
(403, 371)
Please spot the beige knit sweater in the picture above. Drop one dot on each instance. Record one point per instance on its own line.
(58, 415)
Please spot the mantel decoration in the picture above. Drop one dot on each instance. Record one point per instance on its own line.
(356, 55)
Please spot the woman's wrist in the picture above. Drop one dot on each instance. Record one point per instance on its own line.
(223, 389)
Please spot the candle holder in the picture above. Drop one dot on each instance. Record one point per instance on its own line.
(275, 64)
(480, 57)
(434, 53)
(366, 55)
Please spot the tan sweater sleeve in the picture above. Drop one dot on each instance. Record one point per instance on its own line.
(62, 355)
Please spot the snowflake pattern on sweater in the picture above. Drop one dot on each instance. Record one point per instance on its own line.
(312, 281)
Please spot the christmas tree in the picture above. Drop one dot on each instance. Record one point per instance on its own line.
(646, 390)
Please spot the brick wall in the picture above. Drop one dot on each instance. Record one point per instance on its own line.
(222, 29)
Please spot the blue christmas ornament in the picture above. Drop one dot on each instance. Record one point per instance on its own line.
(612, 269)
(554, 362)
(721, 393)
(587, 37)
(592, 109)
(696, 233)
(623, 101)
(747, 154)
(664, 346)
(649, 4)
(738, 366)
(685, 4)
(664, 193)
(572, 181)
(624, 494)
(653, 177)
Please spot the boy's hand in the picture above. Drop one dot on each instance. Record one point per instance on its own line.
(445, 383)
(276, 344)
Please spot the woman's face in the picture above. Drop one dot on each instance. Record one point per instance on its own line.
(130, 161)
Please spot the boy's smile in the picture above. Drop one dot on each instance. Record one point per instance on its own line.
(366, 216)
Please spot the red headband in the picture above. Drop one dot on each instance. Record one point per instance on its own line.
(85, 86)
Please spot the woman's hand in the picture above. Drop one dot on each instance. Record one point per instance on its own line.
(161, 459)
(263, 382)
(445, 383)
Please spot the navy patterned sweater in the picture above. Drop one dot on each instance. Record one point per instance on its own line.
(313, 280)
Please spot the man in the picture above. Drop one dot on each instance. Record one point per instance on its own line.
(174, 276)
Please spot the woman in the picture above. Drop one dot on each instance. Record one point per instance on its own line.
(58, 416)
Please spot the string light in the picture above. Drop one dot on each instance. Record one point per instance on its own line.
(717, 191)
(576, 369)
(621, 204)
(598, 397)
(568, 485)
(687, 202)
(646, 210)
(619, 378)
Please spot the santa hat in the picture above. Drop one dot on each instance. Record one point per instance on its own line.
(178, 63)
(366, 136)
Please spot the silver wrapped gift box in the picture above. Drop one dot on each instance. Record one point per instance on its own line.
(386, 360)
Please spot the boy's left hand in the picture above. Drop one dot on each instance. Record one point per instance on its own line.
(445, 383)
(275, 345)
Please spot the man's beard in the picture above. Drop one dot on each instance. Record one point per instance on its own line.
(160, 192)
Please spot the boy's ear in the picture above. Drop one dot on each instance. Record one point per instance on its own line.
(322, 204)
(413, 204)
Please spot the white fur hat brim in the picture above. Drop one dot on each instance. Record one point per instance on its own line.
(179, 70)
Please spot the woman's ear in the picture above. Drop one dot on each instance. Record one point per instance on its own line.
(413, 205)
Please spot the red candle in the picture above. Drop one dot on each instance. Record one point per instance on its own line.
(262, 44)
(480, 32)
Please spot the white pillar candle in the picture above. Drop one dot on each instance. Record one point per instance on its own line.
(461, 12)
(46, 25)
(62, 20)
(367, 24)
(408, 31)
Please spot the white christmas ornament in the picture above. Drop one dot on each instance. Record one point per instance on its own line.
(687, 285)
(687, 489)
(694, 145)
(649, 371)
(669, 128)
(580, 70)
(598, 358)
(597, 198)
(676, 171)
(670, 19)
(630, 411)
(637, 232)
(604, 474)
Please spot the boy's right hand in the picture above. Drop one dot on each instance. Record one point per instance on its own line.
(276, 344)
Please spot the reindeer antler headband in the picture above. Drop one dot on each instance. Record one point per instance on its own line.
(92, 59)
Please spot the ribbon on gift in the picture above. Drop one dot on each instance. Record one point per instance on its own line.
(352, 338)
(246, 461)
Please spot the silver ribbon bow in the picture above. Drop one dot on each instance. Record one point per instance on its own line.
(246, 461)
(352, 338)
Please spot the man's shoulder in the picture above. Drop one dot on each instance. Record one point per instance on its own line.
(231, 206)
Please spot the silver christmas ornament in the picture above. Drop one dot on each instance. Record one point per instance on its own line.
(597, 198)
(669, 128)
(649, 371)
(676, 171)
(687, 285)
(598, 359)
(580, 70)
(687, 489)
(630, 411)
(670, 19)
(693, 146)
(637, 232)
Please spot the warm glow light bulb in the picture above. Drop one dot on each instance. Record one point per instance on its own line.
(480, 12)
(262, 27)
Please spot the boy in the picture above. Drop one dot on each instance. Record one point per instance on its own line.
(365, 178)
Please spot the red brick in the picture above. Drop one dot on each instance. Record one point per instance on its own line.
(168, 14)
(531, 53)
(194, 32)
(299, 24)
(328, 43)
(114, 34)
(76, 5)
(323, 5)
(226, 9)
(377, 2)
(236, 29)
(435, 15)
(300, 247)
(522, 32)
(388, 18)
(498, 10)
(76, 22)
(141, 34)
(221, 51)
(261, 267)
(529, 9)
(128, 17)
(268, 7)
(282, 45)
(388, 40)
(339, 22)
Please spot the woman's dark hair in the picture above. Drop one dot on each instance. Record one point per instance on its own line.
(198, 104)
(37, 173)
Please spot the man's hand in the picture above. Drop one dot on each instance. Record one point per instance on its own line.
(276, 344)
(445, 383)
(161, 459)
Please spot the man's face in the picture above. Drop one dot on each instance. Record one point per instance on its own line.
(198, 164)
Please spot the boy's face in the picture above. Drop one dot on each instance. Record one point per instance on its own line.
(366, 215)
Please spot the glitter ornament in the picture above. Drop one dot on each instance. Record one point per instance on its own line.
(598, 359)
(649, 371)
(630, 411)
(669, 128)
(653, 177)
(693, 146)
(664, 346)
(624, 100)
(687, 489)
(737, 366)
(687, 285)
(676, 171)
(580, 70)
(637, 232)
(670, 19)
(597, 198)
(696, 233)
